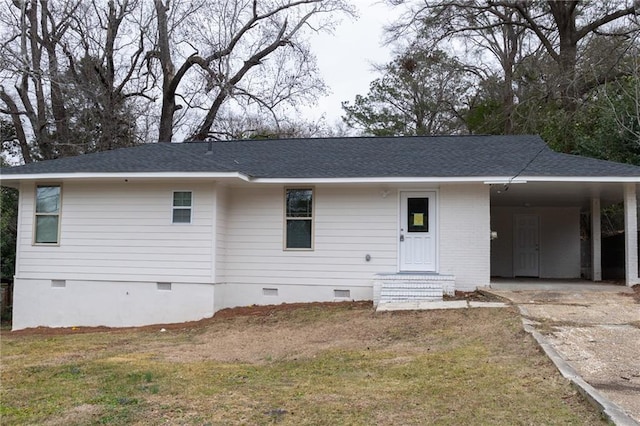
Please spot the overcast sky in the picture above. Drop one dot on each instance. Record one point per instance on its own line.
(345, 57)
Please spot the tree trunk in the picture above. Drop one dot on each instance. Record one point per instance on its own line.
(168, 74)
(25, 150)
(565, 18)
(49, 42)
(511, 47)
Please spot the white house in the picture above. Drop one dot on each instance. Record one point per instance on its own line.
(166, 233)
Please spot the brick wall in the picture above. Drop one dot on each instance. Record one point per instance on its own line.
(465, 234)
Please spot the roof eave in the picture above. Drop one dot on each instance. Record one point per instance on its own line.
(10, 179)
(384, 180)
(585, 179)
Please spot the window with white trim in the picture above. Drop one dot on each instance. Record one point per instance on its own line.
(47, 214)
(182, 206)
(298, 219)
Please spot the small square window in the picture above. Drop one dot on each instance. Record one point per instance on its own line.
(182, 206)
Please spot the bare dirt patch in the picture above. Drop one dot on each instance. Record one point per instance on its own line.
(635, 295)
(475, 296)
(81, 414)
(262, 335)
(251, 311)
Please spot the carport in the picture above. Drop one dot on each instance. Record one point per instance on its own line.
(549, 227)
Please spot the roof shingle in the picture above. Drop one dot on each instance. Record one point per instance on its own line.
(420, 156)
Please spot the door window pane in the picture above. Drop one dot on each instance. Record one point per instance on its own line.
(418, 214)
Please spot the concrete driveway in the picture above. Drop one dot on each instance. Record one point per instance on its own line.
(594, 328)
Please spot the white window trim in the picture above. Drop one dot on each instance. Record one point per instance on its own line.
(36, 214)
(312, 218)
(173, 208)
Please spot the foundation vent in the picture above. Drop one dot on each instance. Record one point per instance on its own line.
(342, 294)
(164, 286)
(58, 283)
(269, 291)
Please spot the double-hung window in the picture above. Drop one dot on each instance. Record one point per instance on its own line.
(299, 218)
(182, 206)
(47, 217)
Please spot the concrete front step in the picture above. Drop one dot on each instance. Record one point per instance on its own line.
(397, 291)
(411, 287)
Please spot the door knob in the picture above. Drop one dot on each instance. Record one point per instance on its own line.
(401, 237)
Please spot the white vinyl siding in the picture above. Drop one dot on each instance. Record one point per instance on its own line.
(119, 231)
(350, 222)
(221, 232)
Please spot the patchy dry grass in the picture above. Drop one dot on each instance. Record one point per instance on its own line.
(312, 365)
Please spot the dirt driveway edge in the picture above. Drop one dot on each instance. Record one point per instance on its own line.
(612, 411)
(593, 330)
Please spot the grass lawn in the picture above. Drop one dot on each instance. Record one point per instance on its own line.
(341, 364)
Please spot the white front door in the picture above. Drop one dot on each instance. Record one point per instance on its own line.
(526, 246)
(417, 231)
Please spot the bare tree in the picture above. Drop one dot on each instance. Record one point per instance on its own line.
(106, 65)
(245, 125)
(560, 27)
(30, 56)
(623, 100)
(229, 41)
(70, 74)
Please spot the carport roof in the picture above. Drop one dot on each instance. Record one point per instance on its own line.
(326, 158)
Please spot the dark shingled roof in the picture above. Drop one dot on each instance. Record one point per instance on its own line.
(428, 156)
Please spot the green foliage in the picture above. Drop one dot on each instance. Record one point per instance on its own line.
(8, 211)
(8, 231)
(566, 70)
(484, 117)
(419, 93)
(609, 125)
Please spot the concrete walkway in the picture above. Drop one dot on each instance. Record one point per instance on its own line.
(577, 286)
(441, 304)
(592, 334)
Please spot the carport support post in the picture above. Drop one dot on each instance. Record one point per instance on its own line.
(596, 241)
(631, 234)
